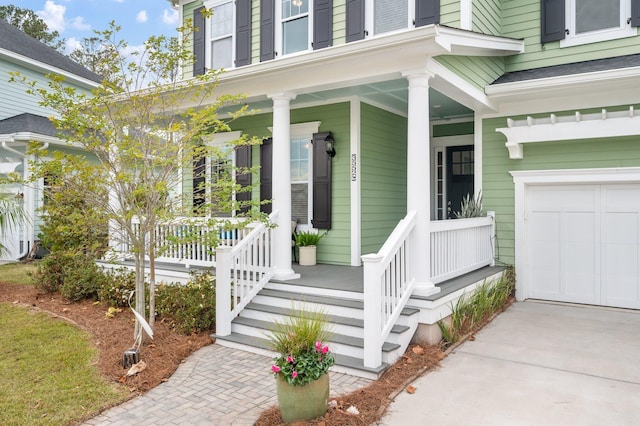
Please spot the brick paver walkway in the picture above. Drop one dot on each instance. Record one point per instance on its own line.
(214, 386)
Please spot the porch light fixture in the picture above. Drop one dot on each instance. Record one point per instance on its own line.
(329, 146)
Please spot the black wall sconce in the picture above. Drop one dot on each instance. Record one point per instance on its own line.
(330, 145)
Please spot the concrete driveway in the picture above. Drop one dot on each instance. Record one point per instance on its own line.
(535, 364)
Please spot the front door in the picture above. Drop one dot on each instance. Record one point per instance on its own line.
(459, 181)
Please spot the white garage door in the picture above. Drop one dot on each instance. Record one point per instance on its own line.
(582, 243)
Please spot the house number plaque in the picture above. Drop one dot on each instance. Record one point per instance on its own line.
(354, 167)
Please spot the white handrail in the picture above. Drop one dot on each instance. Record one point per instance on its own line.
(388, 284)
(241, 272)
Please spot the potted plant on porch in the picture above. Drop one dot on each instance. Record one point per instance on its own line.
(302, 368)
(307, 242)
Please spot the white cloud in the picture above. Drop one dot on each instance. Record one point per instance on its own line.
(53, 15)
(79, 24)
(141, 17)
(170, 17)
(71, 45)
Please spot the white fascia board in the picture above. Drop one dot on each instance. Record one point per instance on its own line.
(587, 90)
(469, 43)
(41, 66)
(374, 59)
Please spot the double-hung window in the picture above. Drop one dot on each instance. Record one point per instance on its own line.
(295, 24)
(220, 34)
(589, 21)
(390, 15)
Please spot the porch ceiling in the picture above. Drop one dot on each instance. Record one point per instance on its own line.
(391, 95)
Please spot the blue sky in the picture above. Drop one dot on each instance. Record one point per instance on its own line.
(76, 19)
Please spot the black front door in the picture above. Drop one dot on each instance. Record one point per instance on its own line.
(459, 177)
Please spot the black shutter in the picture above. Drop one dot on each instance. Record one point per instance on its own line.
(321, 182)
(552, 20)
(322, 23)
(243, 32)
(355, 20)
(199, 181)
(635, 13)
(266, 174)
(427, 12)
(243, 161)
(199, 66)
(267, 30)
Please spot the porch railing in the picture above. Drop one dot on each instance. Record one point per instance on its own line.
(388, 285)
(242, 271)
(197, 250)
(460, 246)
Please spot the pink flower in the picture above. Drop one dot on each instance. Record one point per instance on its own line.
(318, 346)
(275, 368)
(294, 374)
(289, 358)
(325, 350)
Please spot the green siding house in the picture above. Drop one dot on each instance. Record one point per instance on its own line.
(532, 102)
(23, 120)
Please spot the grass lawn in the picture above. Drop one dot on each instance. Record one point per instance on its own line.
(17, 273)
(47, 376)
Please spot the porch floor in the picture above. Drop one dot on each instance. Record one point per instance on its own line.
(347, 278)
(351, 278)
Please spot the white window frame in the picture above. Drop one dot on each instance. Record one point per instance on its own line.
(622, 31)
(369, 18)
(306, 131)
(279, 31)
(210, 4)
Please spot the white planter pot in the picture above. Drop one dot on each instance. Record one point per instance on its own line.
(307, 255)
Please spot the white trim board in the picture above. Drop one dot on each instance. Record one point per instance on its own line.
(563, 128)
(523, 179)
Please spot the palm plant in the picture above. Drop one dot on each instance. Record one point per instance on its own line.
(11, 213)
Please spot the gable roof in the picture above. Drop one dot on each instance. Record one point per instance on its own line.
(14, 40)
(606, 64)
(27, 123)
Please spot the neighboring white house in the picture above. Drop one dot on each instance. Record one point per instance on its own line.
(23, 121)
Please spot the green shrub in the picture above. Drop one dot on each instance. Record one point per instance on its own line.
(188, 308)
(75, 276)
(116, 287)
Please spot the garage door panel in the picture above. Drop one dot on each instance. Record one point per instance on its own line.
(620, 276)
(583, 243)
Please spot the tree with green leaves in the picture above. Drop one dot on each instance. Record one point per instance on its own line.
(30, 23)
(137, 133)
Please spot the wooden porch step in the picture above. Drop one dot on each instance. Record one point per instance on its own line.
(334, 338)
(343, 363)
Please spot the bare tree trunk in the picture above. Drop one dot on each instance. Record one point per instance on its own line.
(140, 288)
(152, 278)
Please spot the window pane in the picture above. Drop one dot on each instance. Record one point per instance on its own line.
(299, 160)
(221, 53)
(300, 202)
(295, 35)
(593, 15)
(292, 8)
(222, 20)
(390, 15)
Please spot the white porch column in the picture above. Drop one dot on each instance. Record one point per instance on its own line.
(418, 175)
(281, 181)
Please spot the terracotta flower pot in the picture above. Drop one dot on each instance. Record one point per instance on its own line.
(302, 402)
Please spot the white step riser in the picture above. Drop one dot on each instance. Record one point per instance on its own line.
(328, 309)
(315, 291)
(347, 330)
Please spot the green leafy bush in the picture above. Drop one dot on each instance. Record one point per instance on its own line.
(306, 238)
(188, 308)
(75, 276)
(116, 287)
